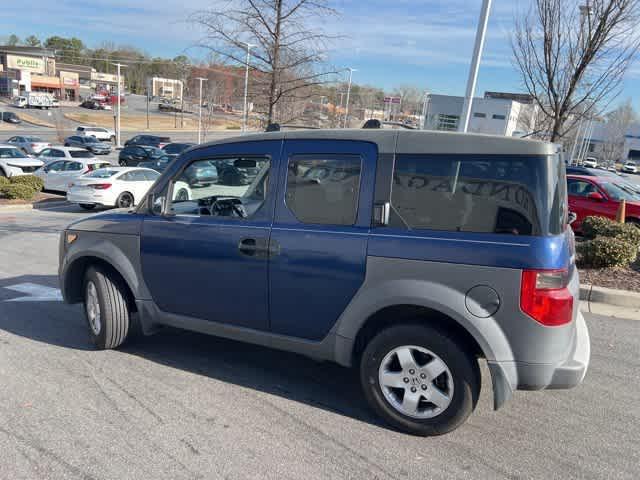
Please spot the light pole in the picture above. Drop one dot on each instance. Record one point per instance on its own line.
(245, 112)
(119, 65)
(200, 110)
(425, 106)
(475, 65)
(346, 110)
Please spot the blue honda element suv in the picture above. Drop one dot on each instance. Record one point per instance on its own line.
(408, 255)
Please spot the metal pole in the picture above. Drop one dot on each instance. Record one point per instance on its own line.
(424, 110)
(575, 142)
(346, 110)
(147, 108)
(245, 112)
(118, 93)
(200, 111)
(475, 65)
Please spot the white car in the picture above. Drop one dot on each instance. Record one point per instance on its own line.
(590, 162)
(58, 175)
(102, 134)
(52, 154)
(14, 162)
(630, 167)
(121, 187)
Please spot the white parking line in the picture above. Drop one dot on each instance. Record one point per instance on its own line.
(35, 293)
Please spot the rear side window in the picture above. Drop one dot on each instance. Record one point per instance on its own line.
(80, 154)
(324, 189)
(483, 194)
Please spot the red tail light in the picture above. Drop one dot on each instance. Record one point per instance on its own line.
(100, 186)
(544, 296)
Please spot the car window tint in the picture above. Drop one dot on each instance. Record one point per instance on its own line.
(80, 154)
(57, 153)
(56, 166)
(45, 153)
(73, 166)
(137, 176)
(227, 187)
(324, 189)
(150, 176)
(580, 188)
(494, 194)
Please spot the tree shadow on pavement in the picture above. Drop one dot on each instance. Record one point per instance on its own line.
(321, 384)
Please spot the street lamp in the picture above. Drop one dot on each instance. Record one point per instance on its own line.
(346, 111)
(475, 65)
(245, 113)
(200, 110)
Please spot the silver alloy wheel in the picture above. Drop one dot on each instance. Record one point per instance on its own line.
(125, 200)
(416, 382)
(93, 308)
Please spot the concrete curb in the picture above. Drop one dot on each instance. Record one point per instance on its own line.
(610, 302)
(23, 207)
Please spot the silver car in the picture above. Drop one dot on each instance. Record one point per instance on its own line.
(29, 144)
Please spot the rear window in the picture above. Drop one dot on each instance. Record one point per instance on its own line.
(483, 194)
(33, 139)
(102, 173)
(80, 154)
(175, 148)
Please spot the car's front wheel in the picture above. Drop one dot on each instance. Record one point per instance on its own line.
(419, 380)
(106, 309)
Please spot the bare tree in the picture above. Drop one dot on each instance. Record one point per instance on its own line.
(289, 46)
(573, 59)
(616, 126)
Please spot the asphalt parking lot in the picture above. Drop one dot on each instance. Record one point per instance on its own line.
(184, 405)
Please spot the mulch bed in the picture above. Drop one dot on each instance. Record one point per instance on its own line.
(621, 278)
(40, 199)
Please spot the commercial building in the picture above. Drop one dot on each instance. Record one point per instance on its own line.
(27, 69)
(492, 115)
(165, 87)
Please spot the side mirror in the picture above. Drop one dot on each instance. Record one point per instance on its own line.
(573, 216)
(244, 163)
(596, 196)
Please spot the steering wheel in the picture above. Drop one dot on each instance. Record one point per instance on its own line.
(222, 206)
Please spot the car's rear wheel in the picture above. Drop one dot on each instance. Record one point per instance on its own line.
(106, 309)
(419, 380)
(182, 195)
(124, 200)
(87, 206)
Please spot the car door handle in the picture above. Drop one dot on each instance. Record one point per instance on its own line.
(257, 247)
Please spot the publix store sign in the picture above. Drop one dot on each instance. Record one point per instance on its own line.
(31, 64)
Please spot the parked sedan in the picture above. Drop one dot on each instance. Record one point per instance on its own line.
(600, 197)
(102, 134)
(28, 144)
(58, 175)
(630, 167)
(10, 117)
(149, 140)
(93, 105)
(14, 162)
(132, 155)
(52, 154)
(121, 187)
(175, 149)
(89, 142)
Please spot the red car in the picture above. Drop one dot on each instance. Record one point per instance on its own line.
(600, 196)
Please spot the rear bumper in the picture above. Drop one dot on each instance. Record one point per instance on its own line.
(510, 376)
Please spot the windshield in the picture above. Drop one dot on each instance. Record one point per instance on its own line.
(102, 173)
(91, 139)
(175, 148)
(618, 192)
(80, 154)
(11, 153)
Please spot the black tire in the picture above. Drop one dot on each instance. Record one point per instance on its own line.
(125, 200)
(114, 309)
(463, 366)
(182, 195)
(123, 163)
(87, 206)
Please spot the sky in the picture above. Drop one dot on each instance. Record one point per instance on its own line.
(424, 43)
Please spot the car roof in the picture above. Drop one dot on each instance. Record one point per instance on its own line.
(411, 141)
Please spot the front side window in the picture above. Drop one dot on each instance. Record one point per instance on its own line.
(580, 188)
(492, 194)
(72, 166)
(56, 166)
(324, 189)
(234, 187)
